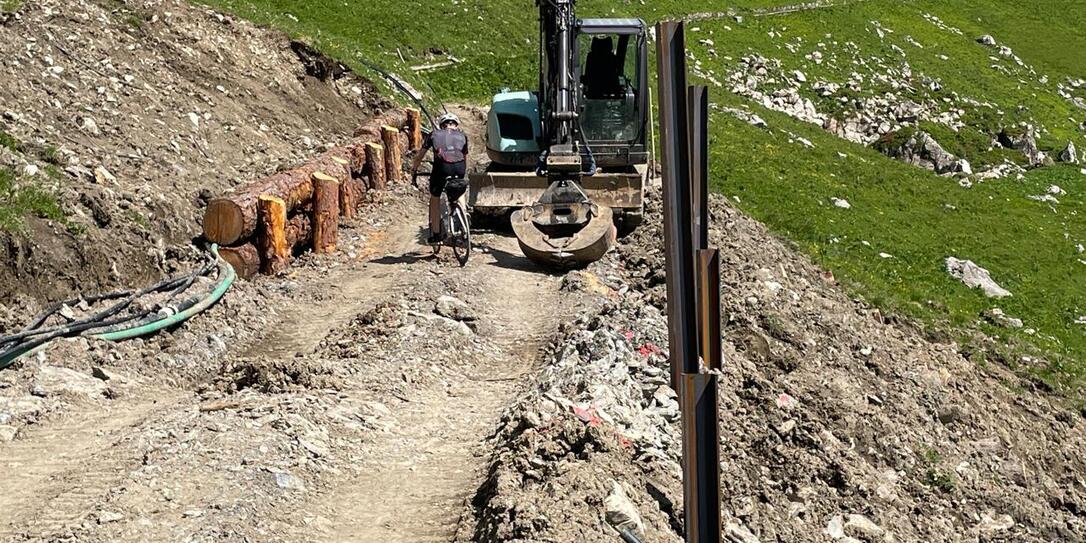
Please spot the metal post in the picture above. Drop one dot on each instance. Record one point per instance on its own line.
(681, 310)
(701, 458)
(709, 307)
(679, 125)
(699, 162)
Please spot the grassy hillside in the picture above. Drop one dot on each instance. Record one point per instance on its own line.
(890, 246)
(1032, 248)
(493, 39)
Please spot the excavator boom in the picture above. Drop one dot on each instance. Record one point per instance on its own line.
(571, 157)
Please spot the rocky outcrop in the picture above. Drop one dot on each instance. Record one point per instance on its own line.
(1024, 140)
(920, 149)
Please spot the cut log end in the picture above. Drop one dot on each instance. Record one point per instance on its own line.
(224, 221)
(245, 259)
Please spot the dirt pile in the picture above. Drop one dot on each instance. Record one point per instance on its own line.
(838, 423)
(133, 113)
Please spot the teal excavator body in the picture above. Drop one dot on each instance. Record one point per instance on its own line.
(572, 158)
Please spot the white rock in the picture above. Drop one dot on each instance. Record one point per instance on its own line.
(841, 203)
(736, 533)
(1055, 190)
(195, 120)
(56, 380)
(7, 433)
(974, 276)
(103, 176)
(863, 526)
(621, 512)
(991, 522)
(800, 76)
(105, 517)
(836, 527)
(453, 308)
(31, 170)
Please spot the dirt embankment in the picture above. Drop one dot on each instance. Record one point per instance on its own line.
(133, 113)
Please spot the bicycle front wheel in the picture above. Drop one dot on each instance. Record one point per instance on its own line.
(461, 230)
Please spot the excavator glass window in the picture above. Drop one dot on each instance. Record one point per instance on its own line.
(610, 87)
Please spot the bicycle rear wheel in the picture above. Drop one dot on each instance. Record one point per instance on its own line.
(461, 232)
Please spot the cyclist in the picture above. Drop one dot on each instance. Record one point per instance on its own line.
(450, 146)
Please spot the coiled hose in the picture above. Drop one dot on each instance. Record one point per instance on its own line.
(110, 325)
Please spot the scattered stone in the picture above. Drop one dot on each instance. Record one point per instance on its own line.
(920, 149)
(106, 517)
(787, 402)
(974, 276)
(996, 316)
(987, 39)
(287, 481)
(53, 380)
(841, 203)
(453, 308)
(8, 433)
(951, 414)
(992, 522)
(835, 528)
(864, 527)
(621, 512)
(736, 533)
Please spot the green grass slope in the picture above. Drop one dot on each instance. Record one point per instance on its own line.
(917, 218)
(890, 246)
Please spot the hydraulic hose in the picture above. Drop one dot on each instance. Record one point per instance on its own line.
(227, 275)
(121, 328)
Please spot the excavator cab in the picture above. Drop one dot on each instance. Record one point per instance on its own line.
(572, 157)
(614, 80)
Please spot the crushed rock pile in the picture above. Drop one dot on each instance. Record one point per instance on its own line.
(838, 423)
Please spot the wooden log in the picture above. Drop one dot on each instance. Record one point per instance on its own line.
(347, 195)
(244, 258)
(375, 161)
(272, 241)
(390, 137)
(299, 231)
(414, 129)
(325, 213)
(347, 199)
(234, 216)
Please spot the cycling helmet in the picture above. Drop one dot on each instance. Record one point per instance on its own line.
(448, 118)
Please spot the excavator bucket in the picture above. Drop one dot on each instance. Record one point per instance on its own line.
(562, 248)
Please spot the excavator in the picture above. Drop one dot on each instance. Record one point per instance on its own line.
(571, 158)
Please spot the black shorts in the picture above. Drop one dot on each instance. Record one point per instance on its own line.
(442, 172)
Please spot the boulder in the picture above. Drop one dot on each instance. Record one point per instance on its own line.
(920, 149)
(987, 39)
(974, 276)
(1026, 142)
(54, 380)
(453, 308)
(1069, 154)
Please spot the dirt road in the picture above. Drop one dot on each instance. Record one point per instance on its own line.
(358, 413)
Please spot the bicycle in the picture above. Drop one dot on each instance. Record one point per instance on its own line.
(455, 225)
